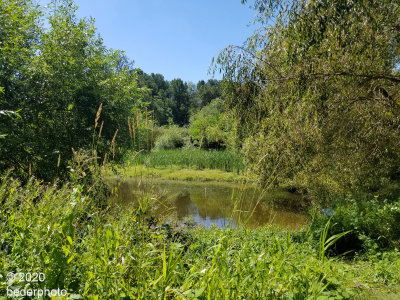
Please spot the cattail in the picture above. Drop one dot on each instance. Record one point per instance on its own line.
(129, 127)
(98, 115)
(59, 160)
(113, 142)
(101, 128)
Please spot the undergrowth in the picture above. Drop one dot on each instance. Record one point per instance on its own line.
(104, 252)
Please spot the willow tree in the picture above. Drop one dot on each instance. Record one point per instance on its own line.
(316, 93)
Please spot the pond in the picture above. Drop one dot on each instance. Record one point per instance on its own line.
(219, 204)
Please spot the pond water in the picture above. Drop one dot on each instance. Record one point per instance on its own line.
(220, 204)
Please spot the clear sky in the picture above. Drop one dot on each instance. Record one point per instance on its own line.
(177, 38)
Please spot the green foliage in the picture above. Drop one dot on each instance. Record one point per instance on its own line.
(115, 253)
(58, 76)
(206, 92)
(180, 98)
(373, 225)
(316, 94)
(210, 129)
(226, 160)
(325, 243)
(158, 96)
(172, 137)
(174, 101)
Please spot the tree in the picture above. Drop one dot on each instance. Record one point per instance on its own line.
(180, 98)
(59, 76)
(157, 97)
(206, 92)
(210, 129)
(316, 92)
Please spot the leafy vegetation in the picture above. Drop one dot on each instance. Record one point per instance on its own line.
(173, 137)
(184, 174)
(57, 77)
(229, 161)
(113, 252)
(310, 102)
(209, 128)
(316, 94)
(372, 223)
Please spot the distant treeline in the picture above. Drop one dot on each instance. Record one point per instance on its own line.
(173, 102)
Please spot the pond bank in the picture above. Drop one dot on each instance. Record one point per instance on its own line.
(184, 174)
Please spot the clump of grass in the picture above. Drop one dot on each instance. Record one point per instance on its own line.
(225, 160)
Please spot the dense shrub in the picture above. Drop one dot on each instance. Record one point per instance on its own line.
(172, 137)
(210, 129)
(373, 224)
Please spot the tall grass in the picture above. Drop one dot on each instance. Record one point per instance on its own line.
(119, 253)
(226, 160)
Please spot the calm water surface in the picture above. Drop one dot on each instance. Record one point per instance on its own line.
(220, 204)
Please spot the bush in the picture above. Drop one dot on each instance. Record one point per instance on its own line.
(210, 129)
(373, 224)
(172, 138)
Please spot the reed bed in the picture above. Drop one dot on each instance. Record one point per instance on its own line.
(225, 160)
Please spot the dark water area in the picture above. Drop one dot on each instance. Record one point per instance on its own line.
(208, 204)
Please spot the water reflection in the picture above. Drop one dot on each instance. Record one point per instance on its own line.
(206, 203)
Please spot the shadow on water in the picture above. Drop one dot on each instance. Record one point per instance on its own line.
(220, 204)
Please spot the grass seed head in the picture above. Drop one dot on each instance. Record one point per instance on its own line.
(98, 115)
(113, 142)
(101, 128)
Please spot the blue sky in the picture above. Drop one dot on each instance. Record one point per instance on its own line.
(177, 38)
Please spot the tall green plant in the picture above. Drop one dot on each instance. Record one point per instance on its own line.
(316, 93)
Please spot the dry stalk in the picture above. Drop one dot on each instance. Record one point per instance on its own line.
(98, 115)
(101, 128)
(59, 160)
(105, 162)
(137, 119)
(113, 143)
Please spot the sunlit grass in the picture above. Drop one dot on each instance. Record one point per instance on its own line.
(177, 173)
(225, 160)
